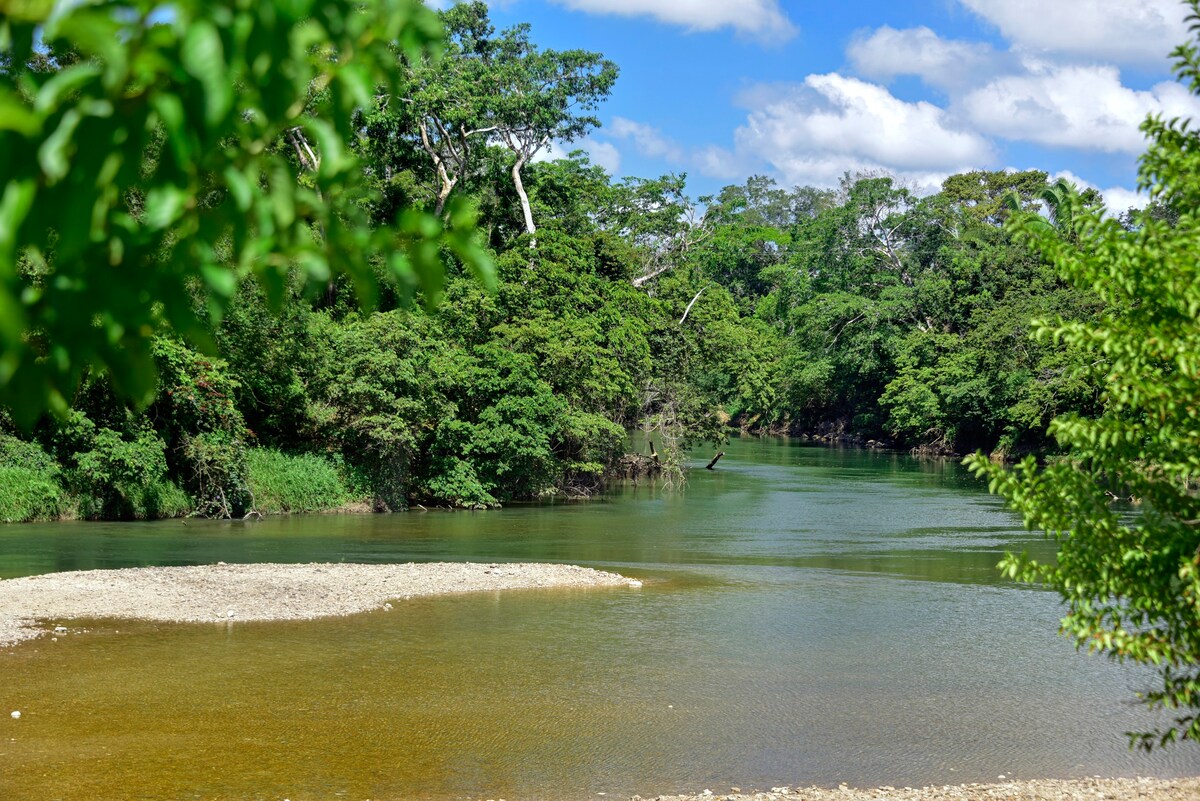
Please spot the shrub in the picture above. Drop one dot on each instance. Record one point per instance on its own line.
(126, 479)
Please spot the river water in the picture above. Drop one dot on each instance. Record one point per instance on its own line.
(809, 616)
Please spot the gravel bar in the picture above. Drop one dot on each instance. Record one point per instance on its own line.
(1094, 789)
(206, 593)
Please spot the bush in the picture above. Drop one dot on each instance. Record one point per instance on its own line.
(126, 479)
(294, 483)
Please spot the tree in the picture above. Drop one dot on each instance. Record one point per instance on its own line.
(542, 96)
(983, 194)
(1131, 583)
(144, 180)
(441, 111)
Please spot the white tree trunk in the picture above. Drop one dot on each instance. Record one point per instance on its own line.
(520, 187)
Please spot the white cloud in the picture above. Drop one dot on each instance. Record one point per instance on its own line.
(760, 18)
(1119, 199)
(814, 132)
(717, 162)
(1106, 30)
(603, 154)
(946, 63)
(1116, 198)
(1073, 106)
(646, 138)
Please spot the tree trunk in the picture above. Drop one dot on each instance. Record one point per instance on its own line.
(520, 187)
(714, 461)
(447, 187)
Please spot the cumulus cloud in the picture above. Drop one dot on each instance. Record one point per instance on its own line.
(603, 154)
(815, 131)
(1073, 106)
(718, 162)
(647, 139)
(887, 52)
(762, 19)
(1107, 30)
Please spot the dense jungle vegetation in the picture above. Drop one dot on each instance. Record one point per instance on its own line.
(867, 312)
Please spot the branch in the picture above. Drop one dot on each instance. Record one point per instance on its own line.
(641, 280)
(688, 310)
(308, 159)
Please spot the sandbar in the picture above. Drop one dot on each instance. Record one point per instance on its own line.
(260, 592)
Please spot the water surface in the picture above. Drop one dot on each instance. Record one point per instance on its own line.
(809, 616)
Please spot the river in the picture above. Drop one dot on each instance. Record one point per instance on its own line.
(809, 616)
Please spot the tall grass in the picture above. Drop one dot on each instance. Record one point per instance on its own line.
(27, 494)
(294, 483)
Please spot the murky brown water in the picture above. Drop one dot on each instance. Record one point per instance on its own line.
(810, 616)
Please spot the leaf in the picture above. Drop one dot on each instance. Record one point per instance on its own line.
(26, 10)
(53, 155)
(220, 279)
(15, 203)
(329, 148)
(163, 206)
(204, 59)
(63, 84)
(240, 188)
(16, 116)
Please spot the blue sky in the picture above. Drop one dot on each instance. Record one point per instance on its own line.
(804, 91)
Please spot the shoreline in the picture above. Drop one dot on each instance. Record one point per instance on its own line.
(261, 592)
(1089, 789)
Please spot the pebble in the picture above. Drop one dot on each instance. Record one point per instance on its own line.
(16, 715)
(1094, 789)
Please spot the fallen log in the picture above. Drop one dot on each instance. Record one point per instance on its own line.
(714, 461)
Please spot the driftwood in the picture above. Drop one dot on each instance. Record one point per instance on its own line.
(714, 461)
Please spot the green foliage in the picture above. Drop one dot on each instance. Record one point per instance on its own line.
(1131, 583)
(152, 168)
(30, 488)
(27, 495)
(198, 418)
(125, 478)
(284, 483)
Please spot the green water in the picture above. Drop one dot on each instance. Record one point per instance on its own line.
(809, 616)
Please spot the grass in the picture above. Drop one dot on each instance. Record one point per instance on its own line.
(284, 483)
(27, 494)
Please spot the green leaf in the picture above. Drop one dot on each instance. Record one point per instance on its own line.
(203, 57)
(164, 205)
(54, 154)
(239, 187)
(62, 84)
(16, 116)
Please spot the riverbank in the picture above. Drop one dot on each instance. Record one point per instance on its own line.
(260, 592)
(1094, 789)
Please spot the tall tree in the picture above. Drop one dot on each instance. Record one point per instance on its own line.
(442, 109)
(542, 96)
